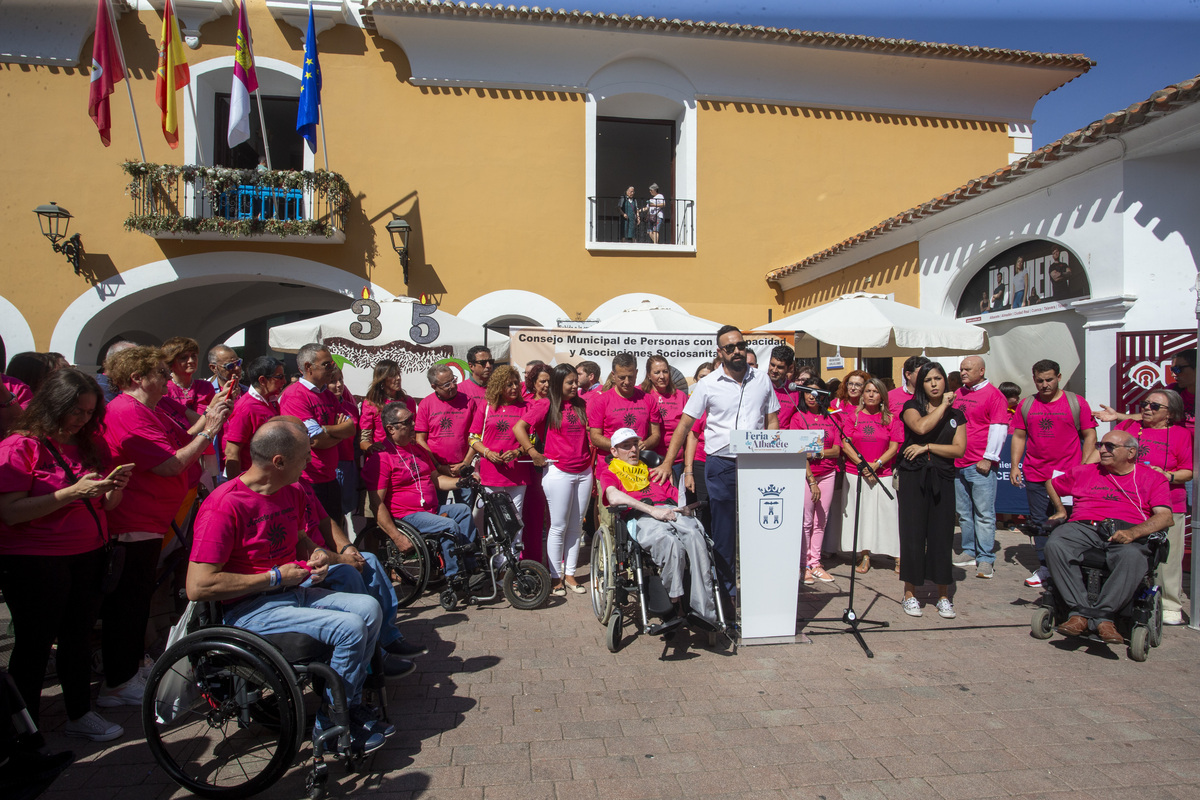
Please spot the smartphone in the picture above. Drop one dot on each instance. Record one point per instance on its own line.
(118, 470)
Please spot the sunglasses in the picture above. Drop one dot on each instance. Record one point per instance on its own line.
(484, 362)
(1109, 447)
(404, 423)
(231, 365)
(1176, 370)
(1152, 406)
(732, 346)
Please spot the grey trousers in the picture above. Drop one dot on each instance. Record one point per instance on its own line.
(673, 545)
(1127, 564)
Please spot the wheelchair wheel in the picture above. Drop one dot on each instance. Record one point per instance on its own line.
(612, 637)
(1042, 624)
(1139, 642)
(1155, 623)
(219, 718)
(528, 586)
(603, 569)
(409, 573)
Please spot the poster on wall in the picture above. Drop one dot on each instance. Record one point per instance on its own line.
(1032, 278)
(1144, 364)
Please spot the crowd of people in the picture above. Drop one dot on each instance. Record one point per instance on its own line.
(97, 472)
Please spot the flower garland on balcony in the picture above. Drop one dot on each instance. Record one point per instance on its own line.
(219, 180)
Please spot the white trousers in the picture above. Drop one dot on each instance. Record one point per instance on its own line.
(567, 495)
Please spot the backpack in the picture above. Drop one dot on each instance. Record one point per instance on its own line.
(1072, 403)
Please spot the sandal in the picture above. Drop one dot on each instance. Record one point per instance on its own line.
(897, 566)
(820, 574)
(864, 564)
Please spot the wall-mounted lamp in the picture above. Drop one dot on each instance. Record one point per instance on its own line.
(400, 230)
(54, 222)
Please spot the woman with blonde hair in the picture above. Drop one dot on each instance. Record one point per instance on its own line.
(872, 436)
(492, 437)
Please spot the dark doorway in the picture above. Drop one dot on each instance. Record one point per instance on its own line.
(287, 146)
(880, 368)
(637, 153)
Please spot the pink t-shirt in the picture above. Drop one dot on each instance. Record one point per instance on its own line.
(298, 400)
(404, 477)
(146, 437)
(656, 493)
(610, 411)
(568, 445)
(1168, 448)
(789, 404)
(315, 514)
(896, 399)
(812, 421)
(446, 423)
(372, 421)
(26, 465)
(871, 437)
(1051, 441)
(670, 409)
(346, 447)
(698, 428)
(496, 425)
(194, 398)
(1189, 405)
(473, 390)
(249, 532)
(249, 414)
(1101, 495)
(18, 389)
(983, 406)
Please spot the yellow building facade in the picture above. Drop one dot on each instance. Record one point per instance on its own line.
(485, 129)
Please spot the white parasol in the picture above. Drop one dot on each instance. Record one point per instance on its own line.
(651, 316)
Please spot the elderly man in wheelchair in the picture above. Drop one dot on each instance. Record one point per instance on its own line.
(671, 535)
(1101, 561)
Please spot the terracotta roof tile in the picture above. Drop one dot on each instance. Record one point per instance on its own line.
(1160, 103)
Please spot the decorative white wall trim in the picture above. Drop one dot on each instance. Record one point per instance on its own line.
(1022, 140)
(14, 330)
(326, 13)
(512, 303)
(76, 335)
(610, 308)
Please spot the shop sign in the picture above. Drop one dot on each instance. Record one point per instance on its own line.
(1032, 278)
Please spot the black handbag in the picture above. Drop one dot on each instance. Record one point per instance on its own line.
(114, 557)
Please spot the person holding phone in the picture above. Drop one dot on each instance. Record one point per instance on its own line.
(54, 541)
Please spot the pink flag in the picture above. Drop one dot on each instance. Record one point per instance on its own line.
(106, 72)
(244, 82)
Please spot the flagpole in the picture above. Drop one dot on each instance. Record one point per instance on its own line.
(324, 149)
(262, 119)
(195, 124)
(112, 22)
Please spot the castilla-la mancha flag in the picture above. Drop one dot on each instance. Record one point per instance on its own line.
(173, 74)
(106, 72)
(245, 81)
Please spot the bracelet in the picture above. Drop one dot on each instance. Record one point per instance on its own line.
(206, 435)
(275, 576)
(688, 473)
(344, 549)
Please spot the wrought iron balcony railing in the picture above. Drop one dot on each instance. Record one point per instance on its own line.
(667, 222)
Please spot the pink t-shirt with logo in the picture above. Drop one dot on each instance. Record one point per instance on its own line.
(249, 414)
(300, 401)
(871, 437)
(27, 465)
(670, 409)
(812, 421)
(983, 406)
(405, 478)
(656, 493)
(1102, 495)
(568, 445)
(610, 411)
(789, 404)
(194, 398)
(371, 420)
(495, 425)
(249, 533)
(1051, 441)
(1169, 449)
(146, 437)
(446, 423)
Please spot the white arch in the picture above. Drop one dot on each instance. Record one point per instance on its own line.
(78, 330)
(622, 302)
(512, 302)
(976, 258)
(14, 330)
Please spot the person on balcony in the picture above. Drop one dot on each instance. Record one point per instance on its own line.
(652, 212)
(629, 212)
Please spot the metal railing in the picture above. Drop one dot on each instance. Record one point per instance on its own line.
(671, 221)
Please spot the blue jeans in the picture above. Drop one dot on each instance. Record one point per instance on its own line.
(975, 501)
(457, 521)
(374, 582)
(349, 622)
(720, 476)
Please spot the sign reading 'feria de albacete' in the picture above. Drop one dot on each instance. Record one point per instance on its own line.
(1032, 278)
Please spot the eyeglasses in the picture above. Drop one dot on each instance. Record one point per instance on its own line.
(447, 384)
(855, 385)
(484, 362)
(231, 365)
(1109, 447)
(732, 346)
(1152, 406)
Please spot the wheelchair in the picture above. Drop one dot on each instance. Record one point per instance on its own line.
(625, 580)
(1140, 620)
(524, 583)
(223, 713)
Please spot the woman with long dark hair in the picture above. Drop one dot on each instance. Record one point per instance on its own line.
(822, 471)
(567, 474)
(54, 541)
(386, 387)
(935, 433)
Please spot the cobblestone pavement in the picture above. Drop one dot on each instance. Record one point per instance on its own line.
(512, 704)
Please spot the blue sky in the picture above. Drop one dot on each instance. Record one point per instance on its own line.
(1140, 45)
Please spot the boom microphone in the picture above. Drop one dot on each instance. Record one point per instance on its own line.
(800, 387)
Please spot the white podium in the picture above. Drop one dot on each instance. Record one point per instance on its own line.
(771, 468)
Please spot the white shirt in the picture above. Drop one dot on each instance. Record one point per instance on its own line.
(731, 405)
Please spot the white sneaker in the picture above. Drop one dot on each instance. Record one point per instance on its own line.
(969, 562)
(128, 693)
(912, 607)
(1038, 577)
(946, 608)
(1172, 617)
(95, 727)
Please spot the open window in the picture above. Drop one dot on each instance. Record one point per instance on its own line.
(287, 146)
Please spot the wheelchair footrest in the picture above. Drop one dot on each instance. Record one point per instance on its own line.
(664, 627)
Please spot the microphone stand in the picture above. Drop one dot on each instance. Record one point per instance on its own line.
(849, 617)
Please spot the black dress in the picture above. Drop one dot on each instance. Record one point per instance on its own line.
(926, 500)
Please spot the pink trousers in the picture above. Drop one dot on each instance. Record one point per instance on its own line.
(815, 516)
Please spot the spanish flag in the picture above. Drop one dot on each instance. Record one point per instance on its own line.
(173, 74)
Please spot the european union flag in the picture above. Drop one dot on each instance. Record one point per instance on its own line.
(310, 88)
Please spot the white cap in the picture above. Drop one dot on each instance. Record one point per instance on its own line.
(623, 435)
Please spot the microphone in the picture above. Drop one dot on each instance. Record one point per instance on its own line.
(800, 387)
